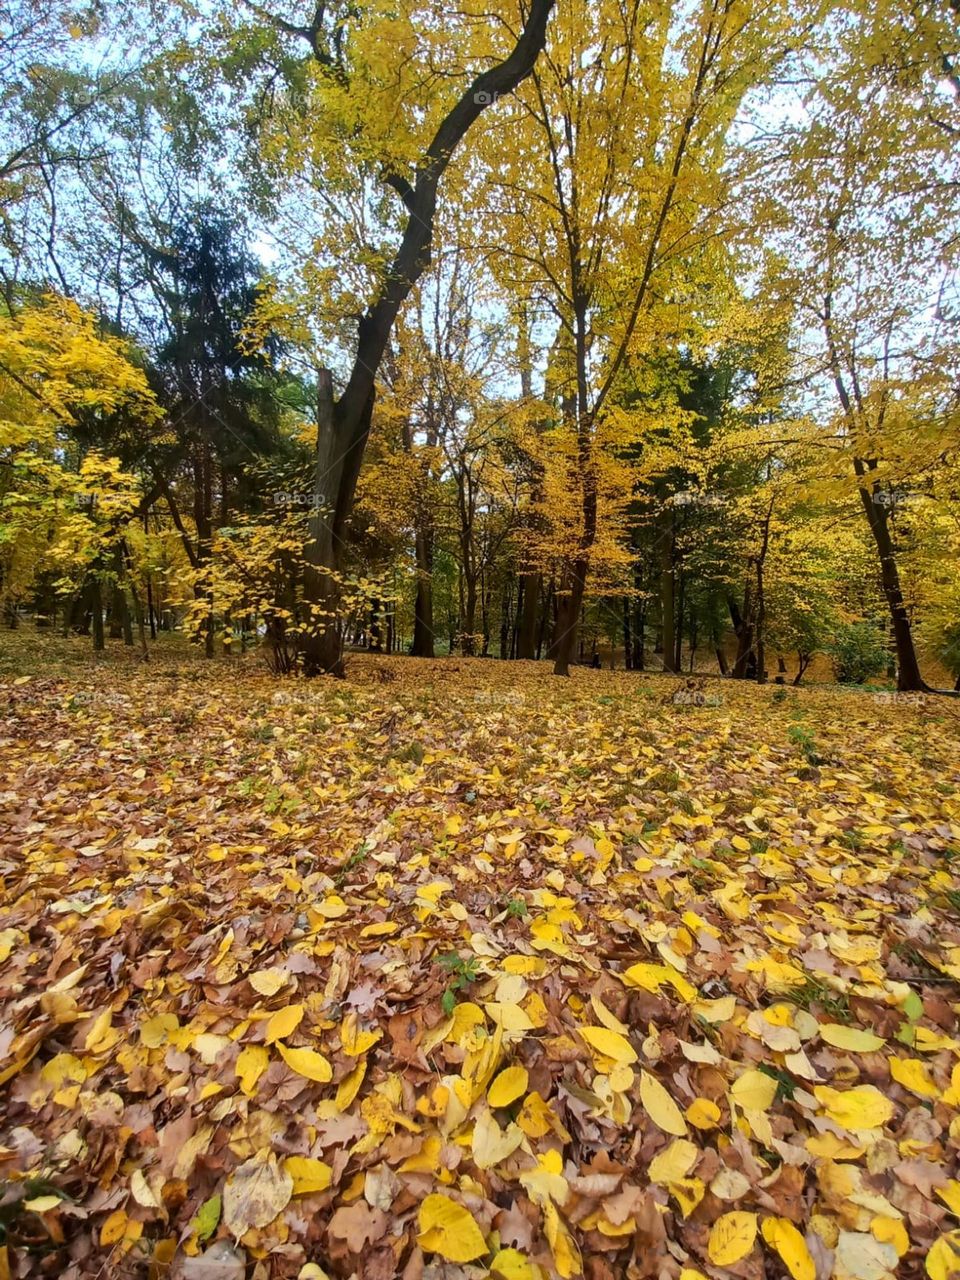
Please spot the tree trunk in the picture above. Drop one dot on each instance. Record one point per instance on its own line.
(469, 625)
(96, 609)
(569, 603)
(423, 604)
(639, 638)
(667, 584)
(627, 642)
(527, 644)
(334, 483)
(745, 663)
(909, 679)
(544, 619)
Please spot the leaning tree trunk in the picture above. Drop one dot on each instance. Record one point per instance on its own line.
(343, 436)
(909, 679)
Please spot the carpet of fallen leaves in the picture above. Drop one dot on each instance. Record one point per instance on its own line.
(454, 969)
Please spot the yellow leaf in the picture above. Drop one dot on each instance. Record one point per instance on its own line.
(449, 1229)
(660, 1107)
(851, 1038)
(308, 1174)
(782, 1235)
(251, 1063)
(943, 1260)
(913, 1075)
(427, 1159)
(732, 1238)
(703, 1114)
(611, 1044)
(43, 1204)
(607, 1018)
(379, 930)
(512, 1265)
(255, 1193)
(890, 1231)
(101, 1035)
(114, 1229)
(307, 1063)
(157, 1031)
(509, 1085)
(674, 1162)
(950, 1195)
(864, 1107)
(354, 1040)
(546, 1181)
(62, 1069)
(142, 1192)
(650, 977)
(284, 1022)
(267, 982)
(491, 1144)
(688, 1192)
(349, 1086)
(754, 1091)
(566, 1255)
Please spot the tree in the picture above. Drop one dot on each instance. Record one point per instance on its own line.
(412, 164)
(624, 212)
(64, 505)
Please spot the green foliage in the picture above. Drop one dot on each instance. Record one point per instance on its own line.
(858, 652)
(462, 974)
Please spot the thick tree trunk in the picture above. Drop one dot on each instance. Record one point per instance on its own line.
(334, 483)
(627, 641)
(569, 603)
(909, 679)
(745, 662)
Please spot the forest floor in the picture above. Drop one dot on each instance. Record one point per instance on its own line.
(456, 969)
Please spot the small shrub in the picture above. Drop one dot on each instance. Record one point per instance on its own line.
(858, 653)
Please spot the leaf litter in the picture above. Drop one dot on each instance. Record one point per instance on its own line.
(454, 969)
